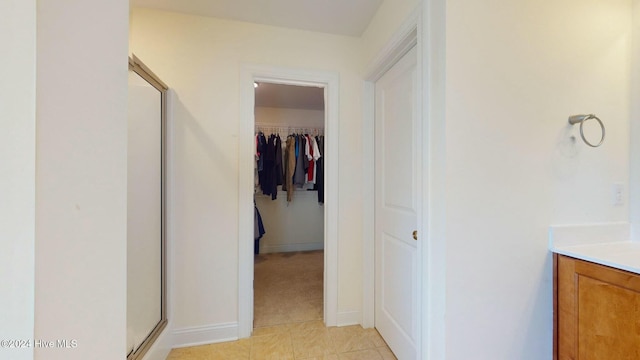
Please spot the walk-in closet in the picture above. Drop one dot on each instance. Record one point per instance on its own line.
(289, 196)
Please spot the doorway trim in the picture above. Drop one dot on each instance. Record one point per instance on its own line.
(286, 76)
(429, 21)
(404, 39)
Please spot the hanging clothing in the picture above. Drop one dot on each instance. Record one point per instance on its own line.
(314, 155)
(258, 229)
(320, 169)
(261, 142)
(289, 166)
(291, 163)
(278, 171)
(261, 149)
(304, 153)
(272, 167)
(310, 158)
(269, 167)
(285, 164)
(299, 175)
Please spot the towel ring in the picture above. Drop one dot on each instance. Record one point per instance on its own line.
(574, 119)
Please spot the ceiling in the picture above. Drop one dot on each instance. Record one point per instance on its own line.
(289, 96)
(343, 17)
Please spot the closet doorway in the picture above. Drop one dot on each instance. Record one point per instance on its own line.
(323, 248)
(289, 197)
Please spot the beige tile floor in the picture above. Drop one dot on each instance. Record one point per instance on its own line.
(309, 340)
(288, 319)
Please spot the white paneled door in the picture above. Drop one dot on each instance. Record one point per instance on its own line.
(396, 143)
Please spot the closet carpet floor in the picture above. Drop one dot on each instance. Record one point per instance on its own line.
(288, 287)
(288, 319)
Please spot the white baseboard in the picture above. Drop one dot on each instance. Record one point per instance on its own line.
(347, 318)
(265, 249)
(208, 334)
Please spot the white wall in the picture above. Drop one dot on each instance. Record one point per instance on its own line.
(634, 170)
(289, 117)
(200, 58)
(390, 15)
(81, 183)
(17, 182)
(515, 72)
(296, 226)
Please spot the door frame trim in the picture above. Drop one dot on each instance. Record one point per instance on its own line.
(419, 30)
(287, 76)
(403, 40)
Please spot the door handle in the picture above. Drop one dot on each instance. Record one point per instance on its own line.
(415, 234)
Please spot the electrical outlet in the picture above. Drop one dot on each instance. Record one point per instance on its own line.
(618, 194)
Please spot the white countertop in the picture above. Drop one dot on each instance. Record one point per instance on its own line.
(606, 244)
(624, 255)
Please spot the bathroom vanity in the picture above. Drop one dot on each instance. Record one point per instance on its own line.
(597, 300)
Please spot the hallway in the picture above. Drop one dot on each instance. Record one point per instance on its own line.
(288, 319)
(306, 340)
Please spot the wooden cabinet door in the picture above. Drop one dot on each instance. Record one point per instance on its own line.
(598, 312)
